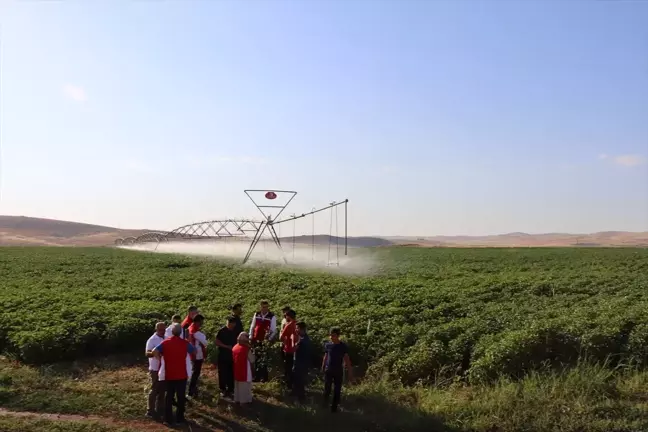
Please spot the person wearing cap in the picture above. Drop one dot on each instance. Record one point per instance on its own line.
(174, 352)
(156, 395)
(243, 360)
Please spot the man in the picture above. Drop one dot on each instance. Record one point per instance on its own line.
(225, 341)
(237, 311)
(156, 395)
(174, 353)
(302, 359)
(198, 339)
(192, 311)
(284, 311)
(262, 329)
(336, 357)
(287, 338)
(175, 319)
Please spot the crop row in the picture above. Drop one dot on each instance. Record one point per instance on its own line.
(424, 314)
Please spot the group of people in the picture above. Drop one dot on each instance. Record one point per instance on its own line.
(176, 354)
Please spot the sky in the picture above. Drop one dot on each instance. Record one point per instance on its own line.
(431, 117)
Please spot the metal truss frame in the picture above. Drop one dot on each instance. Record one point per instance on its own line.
(239, 228)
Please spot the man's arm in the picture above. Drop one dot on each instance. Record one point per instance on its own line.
(252, 325)
(201, 338)
(220, 344)
(273, 327)
(347, 363)
(324, 361)
(190, 348)
(157, 351)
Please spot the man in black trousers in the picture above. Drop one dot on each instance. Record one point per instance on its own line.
(225, 340)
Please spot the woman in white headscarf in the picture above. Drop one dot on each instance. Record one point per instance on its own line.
(243, 361)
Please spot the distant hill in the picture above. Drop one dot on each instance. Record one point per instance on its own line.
(606, 238)
(22, 230)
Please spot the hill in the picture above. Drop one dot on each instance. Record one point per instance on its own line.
(22, 230)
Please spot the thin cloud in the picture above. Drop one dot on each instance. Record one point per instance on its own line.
(76, 93)
(630, 160)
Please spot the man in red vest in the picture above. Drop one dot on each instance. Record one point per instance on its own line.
(192, 311)
(288, 336)
(263, 328)
(174, 352)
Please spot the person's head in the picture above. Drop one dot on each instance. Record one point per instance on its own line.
(301, 327)
(237, 309)
(160, 328)
(231, 322)
(291, 315)
(176, 319)
(192, 311)
(176, 330)
(334, 334)
(198, 320)
(243, 338)
(265, 306)
(285, 310)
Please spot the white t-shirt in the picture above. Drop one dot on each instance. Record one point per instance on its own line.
(167, 332)
(201, 339)
(152, 342)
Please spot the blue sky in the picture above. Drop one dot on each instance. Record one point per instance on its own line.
(432, 117)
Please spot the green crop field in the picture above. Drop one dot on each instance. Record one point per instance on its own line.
(441, 321)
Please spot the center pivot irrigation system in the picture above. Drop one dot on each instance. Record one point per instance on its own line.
(265, 201)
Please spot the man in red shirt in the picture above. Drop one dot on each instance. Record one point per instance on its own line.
(174, 352)
(287, 337)
(192, 311)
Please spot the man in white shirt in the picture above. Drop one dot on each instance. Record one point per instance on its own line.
(198, 339)
(174, 320)
(156, 395)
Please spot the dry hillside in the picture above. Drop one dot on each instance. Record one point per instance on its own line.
(22, 230)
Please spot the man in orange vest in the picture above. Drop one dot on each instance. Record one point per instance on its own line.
(174, 353)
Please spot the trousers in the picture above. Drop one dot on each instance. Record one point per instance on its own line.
(156, 395)
(334, 379)
(195, 374)
(175, 388)
(226, 374)
(288, 369)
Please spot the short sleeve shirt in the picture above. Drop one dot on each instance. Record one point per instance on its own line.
(335, 356)
(228, 337)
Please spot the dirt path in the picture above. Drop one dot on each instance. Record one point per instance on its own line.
(144, 426)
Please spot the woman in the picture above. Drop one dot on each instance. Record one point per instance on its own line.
(243, 359)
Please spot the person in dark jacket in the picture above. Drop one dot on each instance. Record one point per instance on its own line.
(302, 359)
(225, 340)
